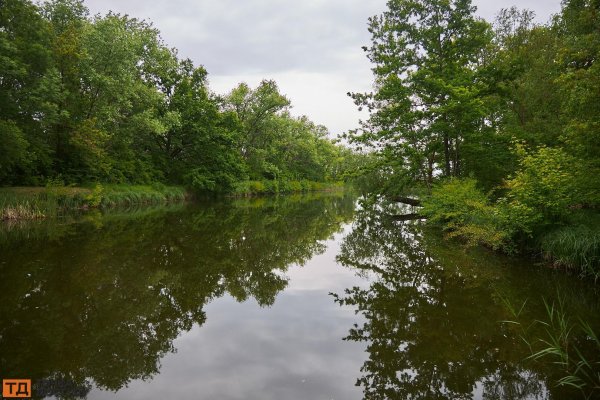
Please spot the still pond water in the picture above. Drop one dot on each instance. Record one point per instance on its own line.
(299, 297)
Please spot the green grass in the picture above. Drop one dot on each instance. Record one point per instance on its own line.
(569, 344)
(124, 195)
(39, 202)
(575, 246)
(20, 203)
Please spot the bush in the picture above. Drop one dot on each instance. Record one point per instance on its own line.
(256, 187)
(464, 211)
(545, 183)
(271, 187)
(95, 197)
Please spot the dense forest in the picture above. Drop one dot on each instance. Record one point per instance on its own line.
(88, 99)
(495, 127)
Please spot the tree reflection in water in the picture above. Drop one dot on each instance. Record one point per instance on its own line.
(103, 301)
(431, 317)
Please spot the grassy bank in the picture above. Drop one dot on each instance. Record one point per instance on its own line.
(566, 236)
(26, 203)
(265, 187)
(575, 244)
(18, 203)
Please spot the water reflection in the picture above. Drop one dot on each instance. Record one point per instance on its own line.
(432, 316)
(101, 301)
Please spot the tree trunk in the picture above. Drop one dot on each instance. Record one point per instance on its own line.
(456, 158)
(448, 170)
(406, 217)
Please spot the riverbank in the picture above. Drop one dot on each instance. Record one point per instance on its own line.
(18, 203)
(562, 233)
(28, 203)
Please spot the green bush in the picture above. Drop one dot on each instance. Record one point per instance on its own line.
(95, 197)
(271, 186)
(546, 183)
(464, 212)
(256, 187)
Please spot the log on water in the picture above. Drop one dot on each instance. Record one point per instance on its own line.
(407, 200)
(407, 217)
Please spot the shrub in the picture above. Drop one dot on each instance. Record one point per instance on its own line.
(545, 182)
(464, 211)
(95, 197)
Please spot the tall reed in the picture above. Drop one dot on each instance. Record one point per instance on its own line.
(576, 247)
(56, 199)
(570, 344)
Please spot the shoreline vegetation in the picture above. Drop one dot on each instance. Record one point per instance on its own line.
(102, 98)
(28, 203)
(494, 128)
(54, 200)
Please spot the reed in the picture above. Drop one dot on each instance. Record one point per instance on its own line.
(575, 247)
(56, 199)
(569, 344)
(122, 195)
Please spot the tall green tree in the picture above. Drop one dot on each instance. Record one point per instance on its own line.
(256, 110)
(427, 98)
(102, 98)
(579, 28)
(28, 90)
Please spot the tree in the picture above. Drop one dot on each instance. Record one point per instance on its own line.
(255, 110)
(102, 98)
(579, 29)
(427, 100)
(28, 88)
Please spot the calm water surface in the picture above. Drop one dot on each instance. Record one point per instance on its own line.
(300, 297)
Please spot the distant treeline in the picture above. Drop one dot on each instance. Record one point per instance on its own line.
(103, 99)
(495, 126)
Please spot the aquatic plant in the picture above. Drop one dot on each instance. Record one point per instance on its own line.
(560, 340)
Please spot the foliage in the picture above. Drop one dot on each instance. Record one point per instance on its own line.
(427, 98)
(95, 197)
(465, 212)
(545, 182)
(510, 109)
(103, 99)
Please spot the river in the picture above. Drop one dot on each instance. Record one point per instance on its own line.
(297, 297)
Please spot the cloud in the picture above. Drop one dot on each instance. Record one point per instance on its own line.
(311, 47)
(266, 36)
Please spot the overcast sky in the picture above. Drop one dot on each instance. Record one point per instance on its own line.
(312, 48)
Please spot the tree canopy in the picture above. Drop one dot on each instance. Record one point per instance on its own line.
(496, 125)
(102, 98)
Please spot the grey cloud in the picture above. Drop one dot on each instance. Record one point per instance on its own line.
(287, 39)
(232, 36)
(269, 36)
